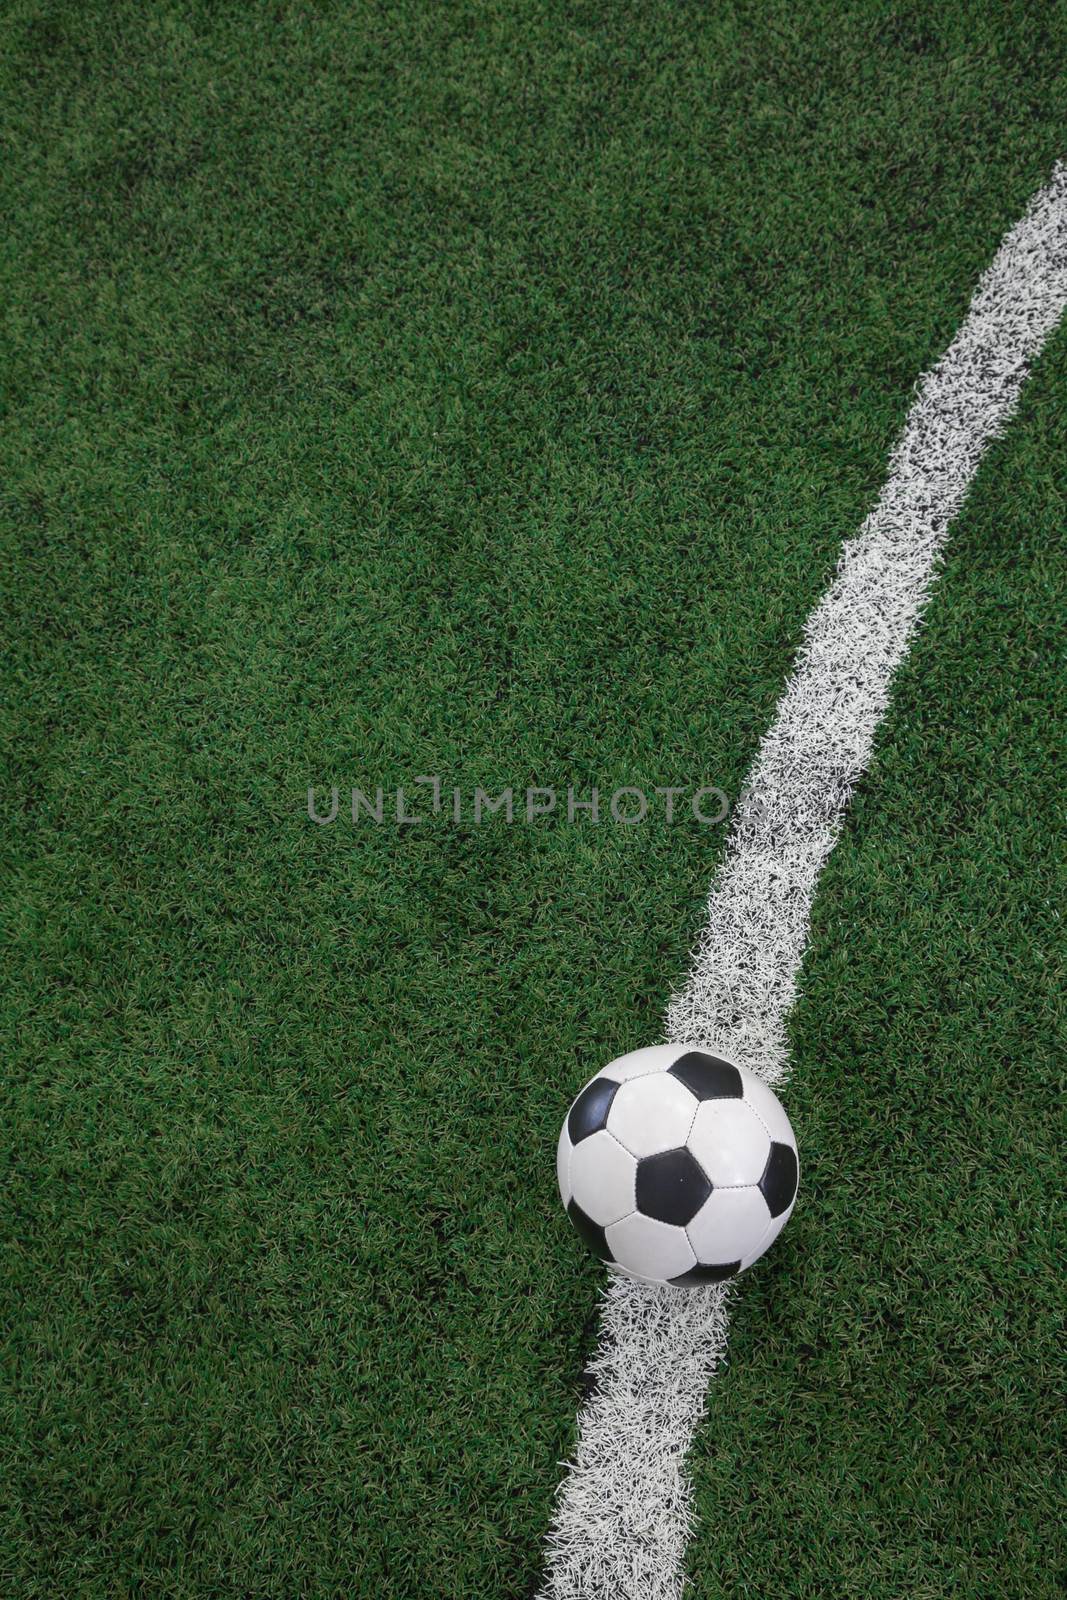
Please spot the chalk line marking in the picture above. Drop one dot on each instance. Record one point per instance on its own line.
(623, 1514)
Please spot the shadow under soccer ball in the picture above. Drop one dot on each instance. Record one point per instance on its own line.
(677, 1166)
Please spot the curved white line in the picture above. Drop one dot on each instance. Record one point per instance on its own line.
(623, 1514)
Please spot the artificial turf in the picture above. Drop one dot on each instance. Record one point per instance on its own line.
(486, 392)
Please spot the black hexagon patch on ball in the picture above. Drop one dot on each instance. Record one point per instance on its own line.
(779, 1181)
(698, 1274)
(671, 1187)
(707, 1077)
(591, 1231)
(590, 1111)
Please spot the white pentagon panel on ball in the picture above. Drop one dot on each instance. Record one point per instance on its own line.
(649, 1249)
(652, 1114)
(770, 1109)
(770, 1234)
(602, 1177)
(729, 1226)
(654, 1058)
(730, 1142)
(563, 1164)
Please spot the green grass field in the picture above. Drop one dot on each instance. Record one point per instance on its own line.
(486, 391)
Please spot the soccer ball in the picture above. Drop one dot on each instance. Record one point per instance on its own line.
(677, 1167)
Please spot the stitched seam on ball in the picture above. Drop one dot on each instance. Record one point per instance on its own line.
(761, 1122)
(636, 1212)
(633, 1158)
(633, 1153)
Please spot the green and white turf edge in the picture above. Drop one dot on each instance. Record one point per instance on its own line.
(623, 1514)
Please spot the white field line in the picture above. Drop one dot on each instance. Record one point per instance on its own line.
(623, 1517)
